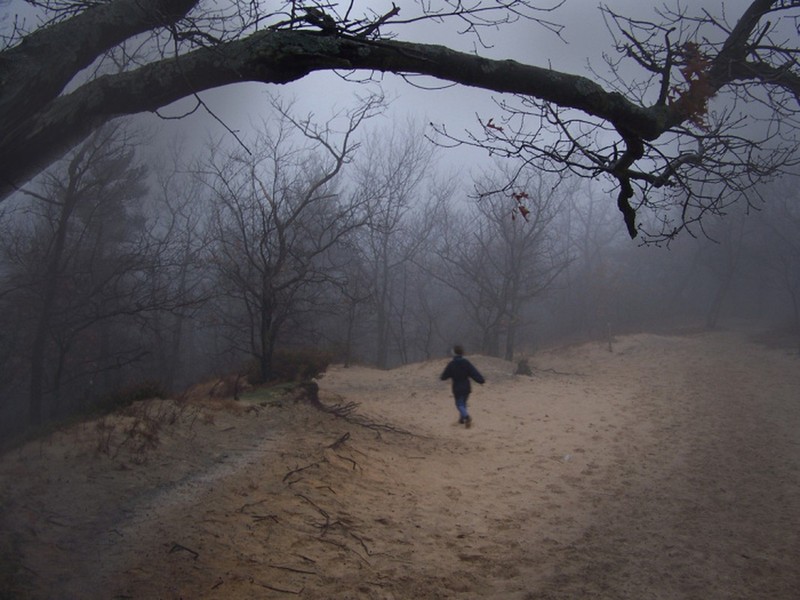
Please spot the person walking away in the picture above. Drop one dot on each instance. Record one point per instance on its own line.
(460, 370)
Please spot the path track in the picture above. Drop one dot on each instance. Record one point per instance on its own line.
(668, 469)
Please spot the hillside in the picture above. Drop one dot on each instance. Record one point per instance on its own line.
(668, 468)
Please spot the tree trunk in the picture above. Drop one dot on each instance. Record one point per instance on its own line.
(510, 339)
(796, 312)
(382, 310)
(43, 321)
(348, 338)
(266, 343)
(382, 349)
(491, 342)
(712, 318)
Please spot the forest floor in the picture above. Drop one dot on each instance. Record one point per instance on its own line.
(668, 468)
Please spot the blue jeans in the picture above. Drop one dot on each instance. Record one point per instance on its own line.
(461, 405)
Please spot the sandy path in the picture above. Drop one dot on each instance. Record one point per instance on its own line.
(668, 469)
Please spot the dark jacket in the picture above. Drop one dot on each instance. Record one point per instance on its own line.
(460, 370)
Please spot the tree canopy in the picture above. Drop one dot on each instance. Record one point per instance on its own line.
(711, 112)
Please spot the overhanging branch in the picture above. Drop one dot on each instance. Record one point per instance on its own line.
(280, 57)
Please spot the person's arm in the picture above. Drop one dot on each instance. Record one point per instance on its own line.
(476, 375)
(446, 373)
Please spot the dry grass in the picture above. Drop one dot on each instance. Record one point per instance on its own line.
(135, 429)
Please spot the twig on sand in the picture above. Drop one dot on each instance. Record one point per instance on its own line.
(340, 442)
(355, 464)
(328, 525)
(176, 547)
(299, 470)
(259, 518)
(343, 409)
(344, 547)
(358, 539)
(292, 569)
(277, 589)
(554, 372)
(306, 558)
(247, 505)
(320, 510)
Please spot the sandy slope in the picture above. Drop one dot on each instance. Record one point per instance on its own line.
(666, 469)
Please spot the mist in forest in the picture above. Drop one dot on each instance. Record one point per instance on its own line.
(163, 251)
(129, 270)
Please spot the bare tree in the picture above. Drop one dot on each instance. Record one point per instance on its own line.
(590, 282)
(390, 177)
(180, 229)
(355, 292)
(701, 79)
(79, 268)
(415, 304)
(721, 97)
(723, 261)
(278, 214)
(498, 261)
(778, 250)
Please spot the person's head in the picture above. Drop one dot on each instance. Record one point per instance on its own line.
(458, 350)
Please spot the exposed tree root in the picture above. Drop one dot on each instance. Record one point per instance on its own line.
(309, 391)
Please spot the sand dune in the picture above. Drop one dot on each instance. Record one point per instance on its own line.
(666, 469)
